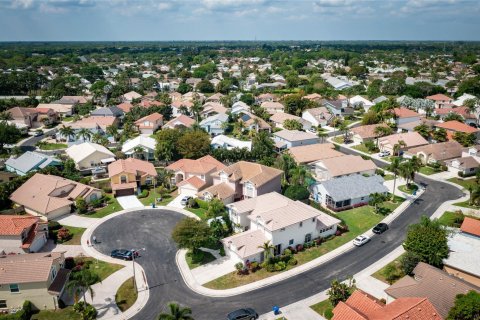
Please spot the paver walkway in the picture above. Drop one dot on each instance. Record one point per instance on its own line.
(130, 202)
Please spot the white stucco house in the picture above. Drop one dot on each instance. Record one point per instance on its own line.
(214, 125)
(145, 142)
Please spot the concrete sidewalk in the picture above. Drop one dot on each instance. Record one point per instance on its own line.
(70, 250)
(210, 271)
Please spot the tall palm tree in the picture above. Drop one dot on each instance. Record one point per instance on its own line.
(85, 134)
(345, 130)
(267, 250)
(67, 132)
(138, 151)
(376, 199)
(176, 313)
(112, 131)
(197, 108)
(80, 282)
(398, 147)
(323, 135)
(394, 167)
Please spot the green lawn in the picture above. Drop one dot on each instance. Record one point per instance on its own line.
(338, 139)
(76, 235)
(61, 314)
(359, 220)
(200, 212)
(408, 189)
(362, 148)
(113, 206)
(102, 268)
(388, 177)
(67, 119)
(464, 182)
(390, 272)
(199, 259)
(323, 308)
(451, 219)
(428, 170)
(126, 295)
(52, 146)
(466, 204)
(152, 195)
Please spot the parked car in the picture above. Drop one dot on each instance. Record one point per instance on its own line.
(384, 153)
(122, 254)
(361, 240)
(184, 200)
(380, 228)
(246, 313)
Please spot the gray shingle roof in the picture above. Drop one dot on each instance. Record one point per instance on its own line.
(354, 186)
(30, 160)
(112, 111)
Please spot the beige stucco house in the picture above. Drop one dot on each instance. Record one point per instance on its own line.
(88, 155)
(127, 175)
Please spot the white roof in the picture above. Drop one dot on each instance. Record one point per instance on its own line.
(142, 141)
(461, 100)
(464, 249)
(78, 152)
(358, 99)
(232, 142)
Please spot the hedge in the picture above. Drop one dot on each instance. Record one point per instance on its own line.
(202, 204)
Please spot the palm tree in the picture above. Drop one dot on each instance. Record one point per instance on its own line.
(299, 175)
(85, 134)
(398, 147)
(138, 151)
(113, 131)
(423, 130)
(197, 109)
(267, 250)
(323, 135)
(335, 122)
(345, 130)
(67, 132)
(176, 313)
(80, 282)
(376, 199)
(394, 167)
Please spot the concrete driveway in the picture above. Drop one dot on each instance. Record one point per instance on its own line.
(130, 202)
(176, 202)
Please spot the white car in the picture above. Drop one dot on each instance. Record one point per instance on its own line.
(384, 154)
(184, 200)
(360, 240)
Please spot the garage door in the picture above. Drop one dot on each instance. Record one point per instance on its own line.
(125, 192)
(186, 191)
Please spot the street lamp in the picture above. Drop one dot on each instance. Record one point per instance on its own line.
(133, 264)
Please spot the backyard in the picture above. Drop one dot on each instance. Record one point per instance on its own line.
(358, 220)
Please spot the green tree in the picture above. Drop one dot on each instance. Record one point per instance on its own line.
(215, 208)
(466, 307)
(340, 291)
(465, 139)
(428, 240)
(409, 261)
(191, 234)
(167, 142)
(262, 146)
(370, 117)
(423, 130)
(440, 135)
(9, 134)
(176, 312)
(194, 144)
(375, 200)
(80, 282)
(297, 192)
(267, 248)
(292, 124)
(67, 132)
(394, 167)
(205, 86)
(85, 134)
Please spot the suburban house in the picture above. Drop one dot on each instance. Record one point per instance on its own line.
(315, 97)
(93, 124)
(411, 140)
(275, 218)
(22, 233)
(360, 102)
(440, 100)
(454, 126)
(320, 116)
(181, 121)
(125, 106)
(437, 152)
(252, 122)
(338, 108)
(191, 176)
(141, 146)
(467, 166)
(404, 115)
(337, 83)
(127, 176)
(345, 165)
(32, 117)
(461, 100)
(212, 108)
(30, 161)
(37, 277)
(130, 96)
(217, 98)
(214, 125)
(178, 105)
(225, 142)
(243, 180)
(436, 285)
(287, 139)
(410, 126)
(272, 107)
(239, 107)
(362, 306)
(464, 245)
(348, 192)
(468, 117)
(73, 100)
(49, 196)
(112, 111)
(264, 97)
(64, 110)
(279, 118)
(362, 134)
(88, 155)
(149, 124)
(313, 152)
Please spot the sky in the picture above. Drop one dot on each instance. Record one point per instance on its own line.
(165, 20)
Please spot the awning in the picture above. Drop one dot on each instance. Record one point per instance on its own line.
(58, 284)
(108, 160)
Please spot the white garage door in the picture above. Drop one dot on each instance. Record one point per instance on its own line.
(187, 191)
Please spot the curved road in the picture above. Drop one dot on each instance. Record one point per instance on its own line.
(152, 230)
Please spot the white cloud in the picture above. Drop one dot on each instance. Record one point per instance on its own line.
(22, 4)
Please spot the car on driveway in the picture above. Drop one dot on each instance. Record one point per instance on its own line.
(380, 228)
(382, 154)
(184, 200)
(241, 314)
(122, 254)
(361, 240)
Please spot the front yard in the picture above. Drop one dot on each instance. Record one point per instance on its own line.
(101, 268)
(358, 220)
(363, 148)
(60, 314)
(152, 195)
(408, 189)
(199, 259)
(391, 272)
(464, 182)
(112, 206)
(466, 204)
(76, 234)
(324, 308)
(452, 219)
(428, 170)
(51, 146)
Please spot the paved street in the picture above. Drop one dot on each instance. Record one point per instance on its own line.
(147, 229)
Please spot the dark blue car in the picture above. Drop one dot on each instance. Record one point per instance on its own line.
(241, 314)
(122, 254)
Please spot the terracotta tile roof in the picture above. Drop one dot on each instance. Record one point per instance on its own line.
(46, 193)
(194, 181)
(255, 173)
(463, 111)
(368, 131)
(405, 113)
(344, 312)
(436, 285)
(154, 117)
(471, 226)
(439, 97)
(131, 165)
(25, 268)
(12, 225)
(126, 106)
(220, 191)
(200, 166)
(123, 186)
(312, 96)
(364, 302)
(457, 126)
(93, 122)
(313, 152)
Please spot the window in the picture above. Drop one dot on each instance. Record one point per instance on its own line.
(308, 237)
(283, 229)
(14, 288)
(313, 219)
(3, 303)
(53, 272)
(123, 179)
(301, 224)
(290, 242)
(202, 177)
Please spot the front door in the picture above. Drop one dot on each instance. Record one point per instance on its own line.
(277, 250)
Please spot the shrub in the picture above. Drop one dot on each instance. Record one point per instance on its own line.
(292, 261)
(85, 180)
(328, 313)
(63, 235)
(380, 172)
(299, 247)
(270, 267)
(53, 225)
(222, 251)
(287, 252)
(192, 203)
(69, 263)
(143, 194)
(201, 204)
(279, 266)
(97, 203)
(81, 205)
(409, 262)
(338, 232)
(390, 273)
(319, 241)
(239, 267)
(297, 192)
(254, 266)
(460, 174)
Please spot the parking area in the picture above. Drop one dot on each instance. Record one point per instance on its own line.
(129, 202)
